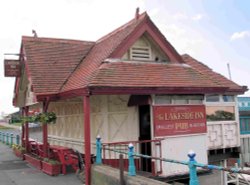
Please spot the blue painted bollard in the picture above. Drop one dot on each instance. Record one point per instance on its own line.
(17, 139)
(3, 138)
(193, 179)
(131, 167)
(98, 150)
(7, 139)
(11, 139)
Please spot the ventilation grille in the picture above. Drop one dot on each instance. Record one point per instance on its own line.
(140, 53)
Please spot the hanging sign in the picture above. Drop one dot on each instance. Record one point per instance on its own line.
(12, 68)
(179, 120)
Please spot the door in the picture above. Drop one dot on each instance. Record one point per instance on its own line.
(145, 134)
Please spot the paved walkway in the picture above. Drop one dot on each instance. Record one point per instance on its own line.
(9, 125)
(14, 171)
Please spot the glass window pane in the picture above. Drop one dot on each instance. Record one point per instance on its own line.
(212, 98)
(228, 98)
(161, 100)
(195, 102)
(180, 102)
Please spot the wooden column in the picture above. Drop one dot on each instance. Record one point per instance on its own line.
(45, 130)
(26, 113)
(86, 109)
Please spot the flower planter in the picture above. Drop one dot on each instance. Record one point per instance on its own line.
(51, 169)
(19, 153)
(34, 161)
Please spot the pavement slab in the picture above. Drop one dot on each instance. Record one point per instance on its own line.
(14, 171)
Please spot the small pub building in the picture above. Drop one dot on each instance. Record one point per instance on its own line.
(131, 85)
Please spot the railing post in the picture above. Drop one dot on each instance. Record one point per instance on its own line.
(193, 179)
(17, 139)
(3, 138)
(131, 167)
(7, 138)
(98, 150)
(11, 139)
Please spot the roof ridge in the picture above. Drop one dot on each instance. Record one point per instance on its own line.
(55, 40)
(141, 16)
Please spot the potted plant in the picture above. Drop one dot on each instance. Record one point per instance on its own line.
(51, 166)
(18, 150)
(35, 161)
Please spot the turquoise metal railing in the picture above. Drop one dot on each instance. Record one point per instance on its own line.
(191, 163)
(9, 138)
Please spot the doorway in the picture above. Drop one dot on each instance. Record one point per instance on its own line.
(145, 134)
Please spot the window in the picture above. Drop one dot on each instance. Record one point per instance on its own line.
(245, 125)
(212, 98)
(161, 99)
(179, 99)
(140, 53)
(228, 98)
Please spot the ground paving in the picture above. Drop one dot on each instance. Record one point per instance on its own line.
(14, 171)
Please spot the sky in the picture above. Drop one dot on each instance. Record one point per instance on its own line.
(216, 33)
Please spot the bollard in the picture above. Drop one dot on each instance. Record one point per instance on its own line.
(11, 139)
(193, 179)
(131, 167)
(0, 136)
(98, 150)
(7, 139)
(17, 139)
(3, 137)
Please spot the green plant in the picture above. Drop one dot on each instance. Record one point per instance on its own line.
(44, 117)
(18, 147)
(51, 161)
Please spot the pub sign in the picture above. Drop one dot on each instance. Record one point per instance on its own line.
(12, 68)
(179, 120)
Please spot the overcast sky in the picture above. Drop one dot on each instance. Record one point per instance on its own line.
(214, 32)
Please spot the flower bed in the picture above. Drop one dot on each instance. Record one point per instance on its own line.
(18, 150)
(34, 161)
(51, 167)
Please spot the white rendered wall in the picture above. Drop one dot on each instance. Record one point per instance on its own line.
(111, 118)
(178, 147)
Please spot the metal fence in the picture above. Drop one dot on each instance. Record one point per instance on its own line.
(191, 163)
(9, 138)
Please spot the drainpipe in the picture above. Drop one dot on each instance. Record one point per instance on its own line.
(86, 110)
(45, 129)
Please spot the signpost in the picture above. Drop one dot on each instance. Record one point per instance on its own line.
(12, 68)
(179, 120)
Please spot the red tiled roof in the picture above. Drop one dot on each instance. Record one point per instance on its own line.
(51, 61)
(60, 66)
(223, 81)
(145, 74)
(102, 49)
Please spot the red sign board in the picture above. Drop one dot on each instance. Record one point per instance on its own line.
(12, 68)
(179, 120)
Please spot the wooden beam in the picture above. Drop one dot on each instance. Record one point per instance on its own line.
(86, 108)
(45, 129)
